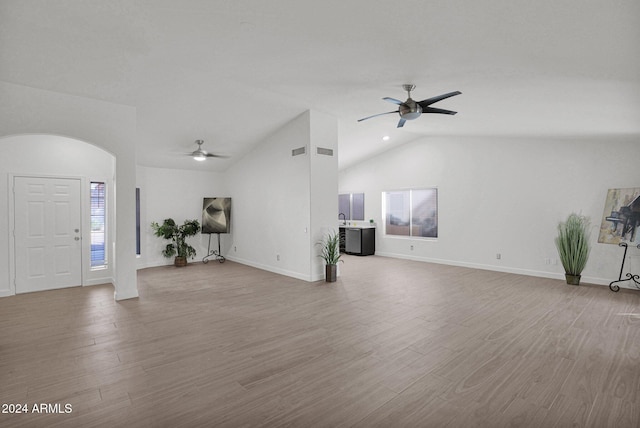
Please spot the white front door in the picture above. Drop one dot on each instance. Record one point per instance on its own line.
(48, 241)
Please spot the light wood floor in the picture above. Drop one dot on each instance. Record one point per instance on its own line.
(393, 343)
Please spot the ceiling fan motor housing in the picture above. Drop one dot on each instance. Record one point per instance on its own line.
(410, 110)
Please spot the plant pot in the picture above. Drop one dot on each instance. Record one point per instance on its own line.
(331, 273)
(572, 279)
(180, 261)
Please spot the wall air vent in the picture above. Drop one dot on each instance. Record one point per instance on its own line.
(323, 151)
(299, 151)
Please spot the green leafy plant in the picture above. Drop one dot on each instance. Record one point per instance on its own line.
(572, 243)
(177, 234)
(330, 248)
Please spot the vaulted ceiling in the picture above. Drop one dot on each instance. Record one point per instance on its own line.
(232, 72)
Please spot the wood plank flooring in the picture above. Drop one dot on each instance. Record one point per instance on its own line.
(393, 343)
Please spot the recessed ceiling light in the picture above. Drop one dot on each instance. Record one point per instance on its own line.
(385, 138)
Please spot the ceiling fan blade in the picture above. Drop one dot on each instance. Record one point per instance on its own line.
(375, 115)
(393, 100)
(429, 101)
(401, 123)
(437, 110)
(211, 155)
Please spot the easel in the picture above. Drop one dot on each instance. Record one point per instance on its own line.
(630, 276)
(219, 257)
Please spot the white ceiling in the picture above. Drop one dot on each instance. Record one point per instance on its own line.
(232, 72)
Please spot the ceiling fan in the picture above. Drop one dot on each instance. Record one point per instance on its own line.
(200, 154)
(410, 109)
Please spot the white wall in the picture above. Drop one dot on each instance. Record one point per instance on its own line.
(272, 192)
(323, 183)
(177, 194)
(503, 195)
(48, 155)
(270, 203)
(112, 127)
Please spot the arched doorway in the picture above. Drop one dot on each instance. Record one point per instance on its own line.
(48, 199)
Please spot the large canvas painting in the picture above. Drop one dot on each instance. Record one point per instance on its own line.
(621, 217)
(216, 215)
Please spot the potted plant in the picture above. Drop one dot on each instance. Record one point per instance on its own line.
(330, 253)
(572, 243)
(177, 234)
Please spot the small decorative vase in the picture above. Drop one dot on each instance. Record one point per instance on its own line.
(572, 279)
(180, 261)
(331, 273)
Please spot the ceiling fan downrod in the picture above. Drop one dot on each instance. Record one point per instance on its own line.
(408, 87)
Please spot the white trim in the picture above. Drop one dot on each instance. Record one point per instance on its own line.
(11, 238)
(11, 241)
(123, 296)
(268, 268)
(89, 277)
(297, 275)
(107, 227)
(155, 264)
(98, 281)
(518, 271)
(99, 274)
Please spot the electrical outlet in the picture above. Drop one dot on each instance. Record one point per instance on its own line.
(498, 256)
(412, 248)
(235, 249)
(278, 257)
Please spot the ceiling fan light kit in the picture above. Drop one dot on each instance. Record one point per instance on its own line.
(410, 109)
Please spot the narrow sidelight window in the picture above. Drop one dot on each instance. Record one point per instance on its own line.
(137, 221)
(98, 225)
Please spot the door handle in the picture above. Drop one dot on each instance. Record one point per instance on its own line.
(77, 238)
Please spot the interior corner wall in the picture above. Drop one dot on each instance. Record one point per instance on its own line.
(177, 194)
(112, 127)
(503, 195)
(324, 184)
(270, 214)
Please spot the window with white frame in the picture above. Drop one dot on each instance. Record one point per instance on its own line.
(412, 213)
(98, 225)
(351, 206)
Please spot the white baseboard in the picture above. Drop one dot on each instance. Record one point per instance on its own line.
(320, 276)
(133, 294)
(273, 269)
(519, 271)
(153, 264)
(7, 293)
(98, 281)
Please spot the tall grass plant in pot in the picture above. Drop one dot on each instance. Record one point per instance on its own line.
(573, 246)
(330, 253)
